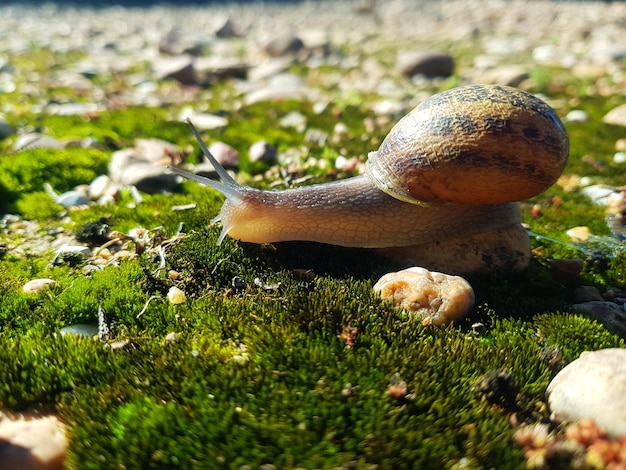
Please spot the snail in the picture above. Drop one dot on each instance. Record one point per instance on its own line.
(451, 170)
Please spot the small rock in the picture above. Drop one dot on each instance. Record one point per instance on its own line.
(70, 254)
(72, 109)
(269, 68)
(509, 75)
(294, 119)
(262, 151)
(592, 387)
(619, 157)
(610, 314)
(80, 329)
(227, 29)
(579, 234)
(37, 285)
(32, 442)
(172, 337)
(566, 271)
(226, 155)
(498, 387)
(176, 296)
(102, 186)
(283, 45)
(6, 129)
(35, 140)
(577, 115)
(214, 69)
(284, 86)
(598, 193)
(128, 168)
(439, 298)
(430, 64)
(587, 294)
(616, 117)
(72, 199)
(180, 68)
(204, 121)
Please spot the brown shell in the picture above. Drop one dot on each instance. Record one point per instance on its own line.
(478, 144)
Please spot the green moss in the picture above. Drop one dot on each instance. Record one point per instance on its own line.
(262, 375)
(63, 169)
(37, 206)
(120, 128)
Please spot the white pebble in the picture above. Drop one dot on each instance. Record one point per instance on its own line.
(619, 157)
(577, 115)
(592, 387)
(37, 285)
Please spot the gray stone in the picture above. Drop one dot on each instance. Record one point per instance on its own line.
(180, 68)
(610, 314)
(284, 44)
(262, 151)
(429, 64)
(6, 129)
(35, 140)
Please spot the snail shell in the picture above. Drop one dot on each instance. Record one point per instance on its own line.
(472, 145)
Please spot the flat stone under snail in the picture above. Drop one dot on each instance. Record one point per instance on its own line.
(440, 192)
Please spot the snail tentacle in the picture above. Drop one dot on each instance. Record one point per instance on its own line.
(226, 186)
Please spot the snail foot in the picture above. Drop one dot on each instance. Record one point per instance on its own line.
(504, 250)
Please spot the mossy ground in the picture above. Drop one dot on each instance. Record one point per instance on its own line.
(258, 375)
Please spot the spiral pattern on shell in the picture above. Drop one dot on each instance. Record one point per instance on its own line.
(478, 144)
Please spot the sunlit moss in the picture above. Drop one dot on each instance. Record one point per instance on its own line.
(257, 371)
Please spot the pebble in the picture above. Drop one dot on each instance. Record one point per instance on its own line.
(284, 86)
(80, 329)
(32, 442)
(213, 69)
(262, 151)
(283, 44)
(509, 75)
(429, 64)
(587, 294)
(438, 298)
(102, 186)
(37, 285)
(610, 314)
(598, 193)
(6, 129)
(204, 121)
(176, 296)
(67, 199)
(577, 115)
(616, 117)
(294, 119)
(226, 155)
(128, 167)
(592, 387)
(180, 68)
(619, 157)
(35, 140)
(228, 29)
(579, 234)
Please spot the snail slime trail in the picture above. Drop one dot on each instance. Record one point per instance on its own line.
(449, 172)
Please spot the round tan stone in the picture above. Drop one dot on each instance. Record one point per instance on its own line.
(439, 298)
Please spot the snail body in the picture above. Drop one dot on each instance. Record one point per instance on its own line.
(453, 167)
